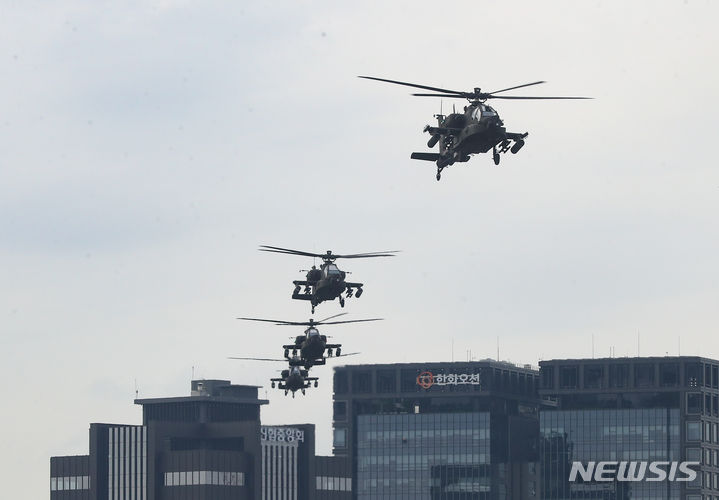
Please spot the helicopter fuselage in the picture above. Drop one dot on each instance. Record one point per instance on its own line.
(326, 283)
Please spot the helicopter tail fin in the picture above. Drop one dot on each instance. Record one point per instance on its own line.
(425, 156)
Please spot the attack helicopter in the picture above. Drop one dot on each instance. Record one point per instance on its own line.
(294, 378)
(327, 282)
(476, 130)
(312, 346)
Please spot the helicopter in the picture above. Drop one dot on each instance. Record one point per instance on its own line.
(476, 130)
(312, 346)
(327, 282)
(294, 378)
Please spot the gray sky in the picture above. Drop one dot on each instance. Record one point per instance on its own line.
(148, 148)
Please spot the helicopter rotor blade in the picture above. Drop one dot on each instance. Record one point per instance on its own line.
(388, 253)
(258, 359)
(323, 320)
(425, 87)
(517, 87)
(276, 321)
(343, 355)
(268, 248)
(532, 98)
(352, 321)
(444, 95)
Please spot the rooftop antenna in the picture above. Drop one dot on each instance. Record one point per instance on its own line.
(193, 372)
(137, 391)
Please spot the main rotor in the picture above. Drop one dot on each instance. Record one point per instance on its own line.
(474, 96)
(311, 322)
(327, 257)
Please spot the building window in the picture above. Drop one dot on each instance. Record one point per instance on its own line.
(644, 375)
(340, 437)
(386, 381)
(693, 454)
(568, 377)
(694, 431)
(339, 410)
(361, 382)
(340, 382)
(669, 374)
(593, 375)
(618, 375)
(693, 374)
(694, 403)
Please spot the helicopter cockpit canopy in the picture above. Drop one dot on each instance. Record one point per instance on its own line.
(483, 111)
(332, 270)
(294, 370)
(312, 332)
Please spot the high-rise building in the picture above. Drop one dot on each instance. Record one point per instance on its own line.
(438, 430)
(203, 446)
(629, 413)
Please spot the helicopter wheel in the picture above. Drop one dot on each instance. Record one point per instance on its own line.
(293, 394)
(285, 393)
(313, 308)
(439, 176)
(495, 157)
(303, 392)
(342, 301)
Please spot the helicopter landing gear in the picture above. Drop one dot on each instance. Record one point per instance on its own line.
(303, 392)
(293, 394)
(495, 156)
(342, 301)
(285, 393)
(439, 176)
(313, 308)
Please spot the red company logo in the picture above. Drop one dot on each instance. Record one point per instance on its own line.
(425, 380)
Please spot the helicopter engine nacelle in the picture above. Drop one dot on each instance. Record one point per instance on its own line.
(433, 140)
(314, 275)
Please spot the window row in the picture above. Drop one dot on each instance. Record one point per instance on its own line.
(190, 478)
(69, 483)
(334, 483)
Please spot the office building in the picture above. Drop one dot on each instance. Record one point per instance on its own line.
(438, 430)
(638, 410)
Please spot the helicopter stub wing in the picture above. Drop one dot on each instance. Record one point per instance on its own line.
(425, 156)
(353, 285)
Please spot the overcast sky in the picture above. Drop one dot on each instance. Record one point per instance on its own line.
(148, 148)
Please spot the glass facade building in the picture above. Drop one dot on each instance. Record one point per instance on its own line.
(424, 456)
(640, 435)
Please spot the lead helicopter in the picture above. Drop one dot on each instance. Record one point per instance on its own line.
(312, 346)
(476, 130)
(327, 282)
